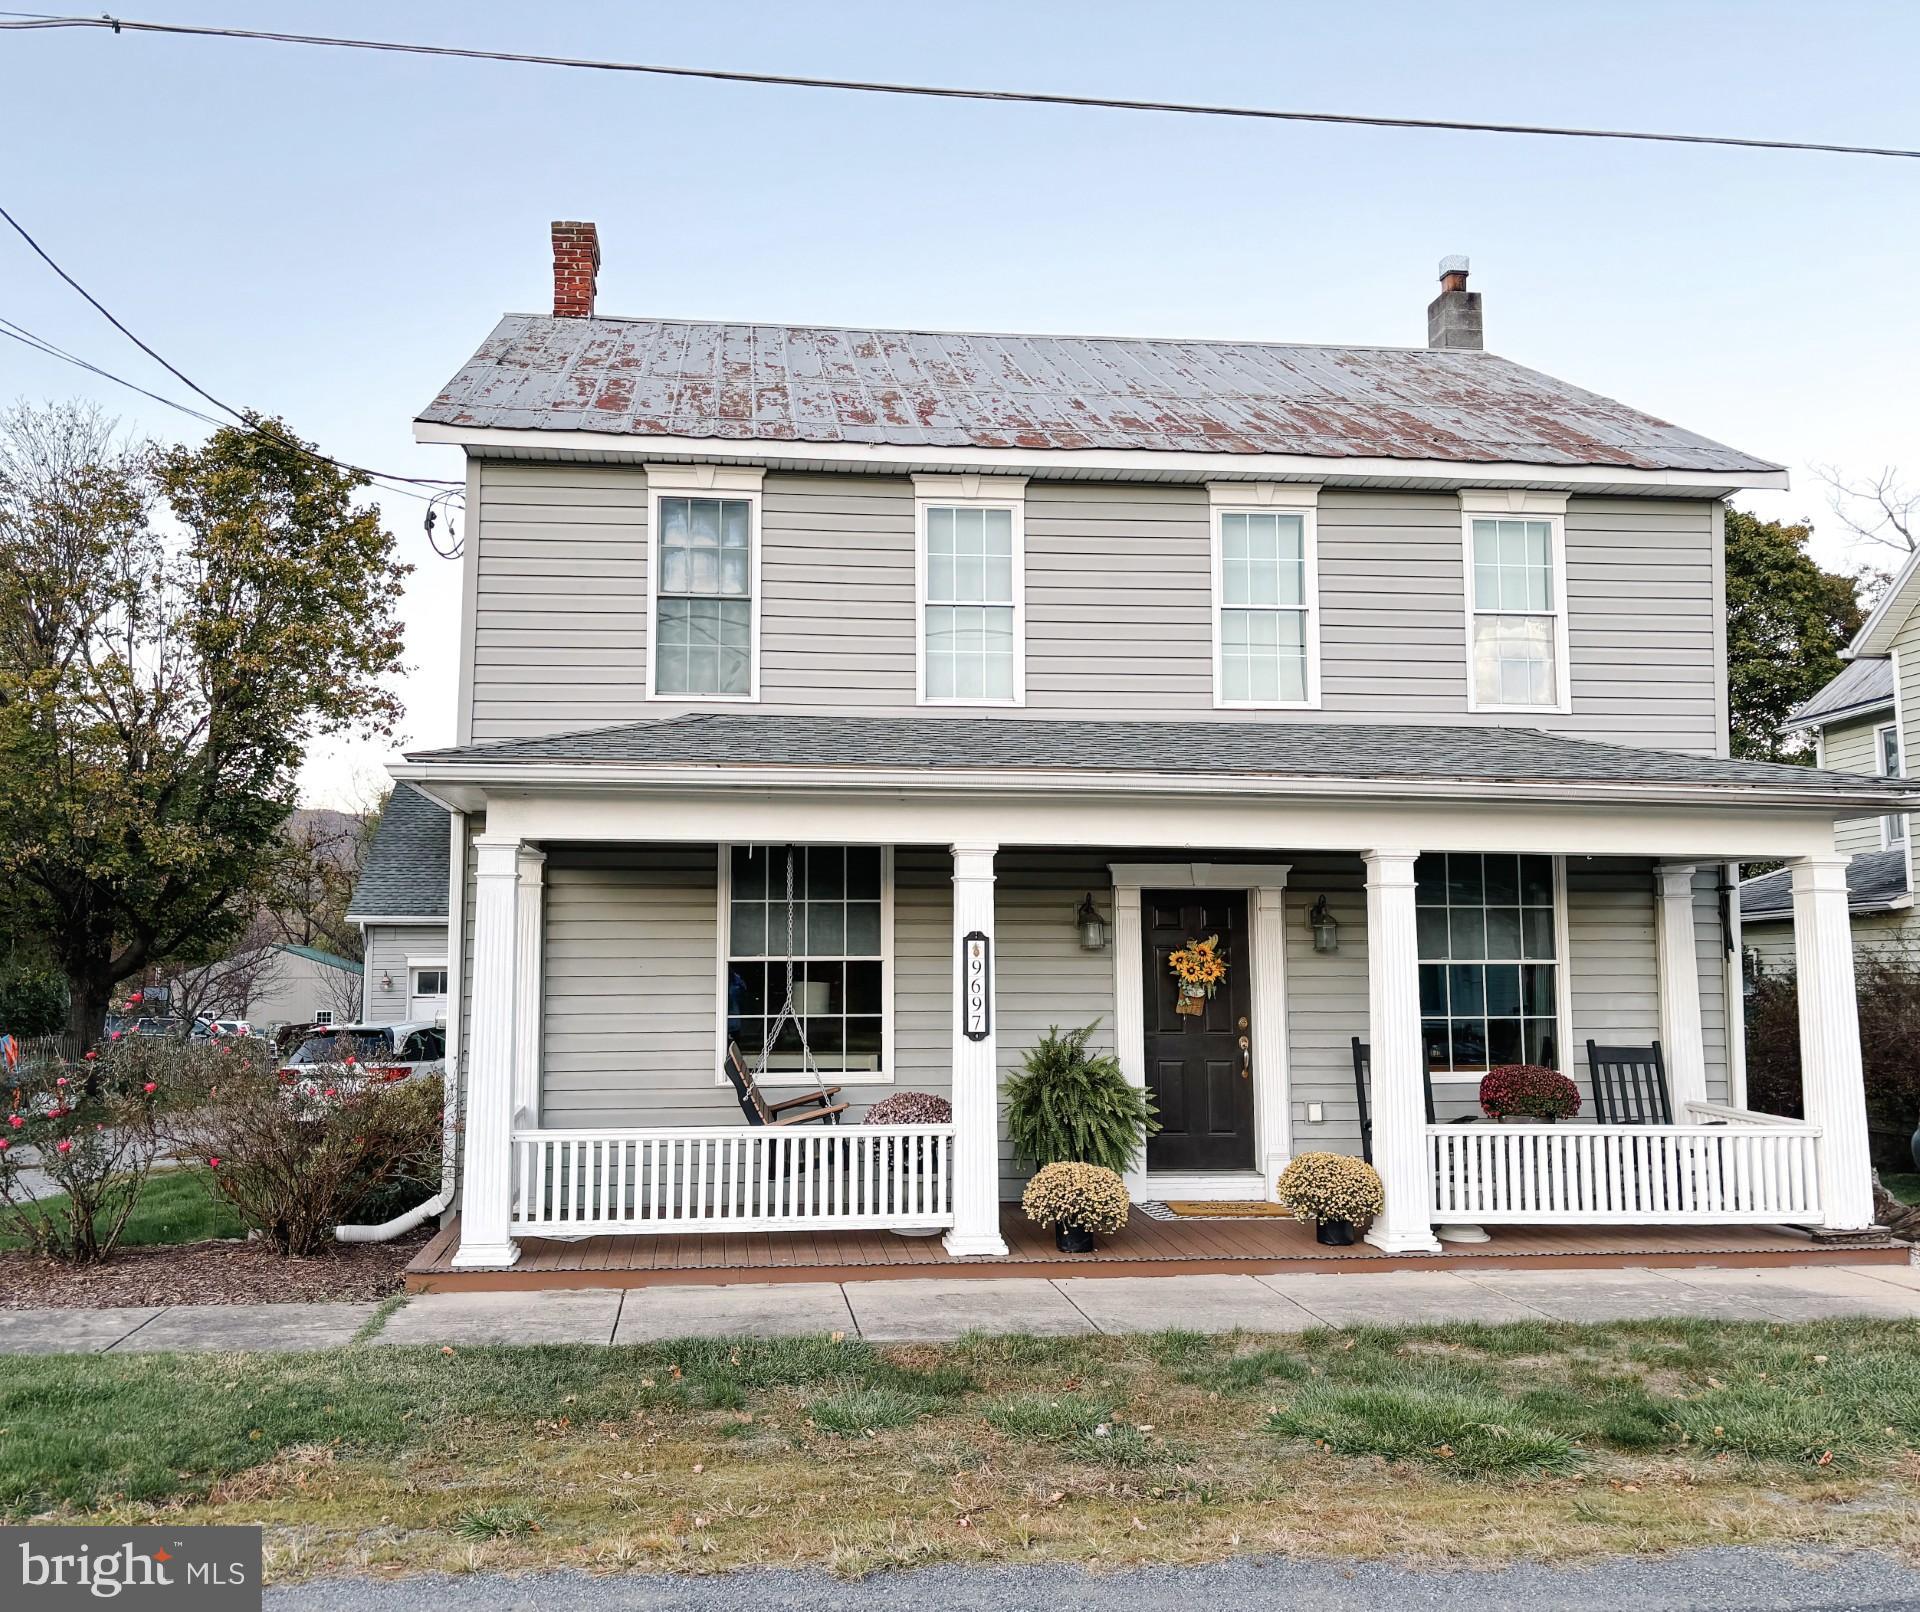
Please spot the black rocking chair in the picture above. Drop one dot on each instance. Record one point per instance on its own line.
(1362, 1089)
(1629, 1085)
(801, 1110)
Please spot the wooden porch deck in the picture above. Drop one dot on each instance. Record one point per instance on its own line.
(1147, 1247)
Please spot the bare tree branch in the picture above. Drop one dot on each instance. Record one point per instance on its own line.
(1879, 508)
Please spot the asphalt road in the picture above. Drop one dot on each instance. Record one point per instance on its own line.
(1722, 1579)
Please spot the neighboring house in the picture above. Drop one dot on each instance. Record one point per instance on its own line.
(1401, 670)
(302, 985)
(400, 905)
(1860, 723)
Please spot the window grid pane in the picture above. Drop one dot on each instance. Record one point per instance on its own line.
(1514, 649)
(968, 627)
(836, 949)
(1263, 614)
(703, 627)
(1489, 989)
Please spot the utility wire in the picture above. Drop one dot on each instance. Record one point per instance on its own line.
(436, 502)
(242, 416)
(951, 92)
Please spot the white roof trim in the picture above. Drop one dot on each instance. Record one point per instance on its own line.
(1093, 463)
(1874, 640)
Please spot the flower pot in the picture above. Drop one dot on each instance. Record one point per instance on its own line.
(916, 1231)
(1072, 1239)
(1528, 1119)
(1334, 1233)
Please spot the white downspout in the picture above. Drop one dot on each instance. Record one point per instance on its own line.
(442, 1200)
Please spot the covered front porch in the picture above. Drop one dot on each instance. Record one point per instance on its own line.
(602, 984)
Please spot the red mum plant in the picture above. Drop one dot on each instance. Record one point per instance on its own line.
(911, 1108)
(1528, 1090)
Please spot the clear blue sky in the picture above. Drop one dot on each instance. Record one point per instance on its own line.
(329, 235)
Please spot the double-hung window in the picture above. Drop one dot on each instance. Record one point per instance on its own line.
(972, 582)
(1886, 740)
(1489, 961)
(839, 942)
(1516, 611)
(1265, 596)
(705, 576)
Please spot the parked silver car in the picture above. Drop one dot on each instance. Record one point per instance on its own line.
(346, 1056)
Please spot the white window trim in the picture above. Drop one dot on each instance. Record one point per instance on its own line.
(723, 926)
(1266, 498)
(426, 962)
(705, 481)
(970, 492)
(1880, 732)
(1485, 504)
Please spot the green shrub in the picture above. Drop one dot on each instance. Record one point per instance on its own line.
(1071, 1105)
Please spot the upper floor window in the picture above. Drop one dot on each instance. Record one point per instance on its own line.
(1265, 596)
(972, 609)
(705, 585)
(1516, 609)
(1893, 827)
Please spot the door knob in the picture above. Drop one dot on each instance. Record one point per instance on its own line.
(1246, 1058)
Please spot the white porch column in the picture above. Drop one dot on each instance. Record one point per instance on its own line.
(1830, 1077)
(1393, 1019)
(486, 1202)
(528, 977)
(976, 1066)
(1129, 1008)
(1273, 1097)
(1681, 1037)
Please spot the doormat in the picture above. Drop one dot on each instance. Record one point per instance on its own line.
(1225, 1209)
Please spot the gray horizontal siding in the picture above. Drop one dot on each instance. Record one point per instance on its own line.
(1854, 747)
(388, 946)
(1117, 602)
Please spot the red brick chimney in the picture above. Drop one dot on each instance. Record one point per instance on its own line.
(576, 268)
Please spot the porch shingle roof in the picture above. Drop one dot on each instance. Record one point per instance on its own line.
(406, 869)
(1366, 751)
(1860, 686)
(1875, 881)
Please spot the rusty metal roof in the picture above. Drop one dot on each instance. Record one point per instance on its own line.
(914, 389)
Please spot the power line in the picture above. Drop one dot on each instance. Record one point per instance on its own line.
(951, 92)
(437, 501)
(241, 415)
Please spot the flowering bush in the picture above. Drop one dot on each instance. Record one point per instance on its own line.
(90, 1130)
(296, 1159)
(1528, 1089)
(911, 1108)
(1331, 1186)
(1081, 1195)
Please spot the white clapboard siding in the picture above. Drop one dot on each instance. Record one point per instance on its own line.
(583, 1183)
(1728, 1167)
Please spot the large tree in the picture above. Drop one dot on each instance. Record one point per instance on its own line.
(1787, 621)
(159, 688)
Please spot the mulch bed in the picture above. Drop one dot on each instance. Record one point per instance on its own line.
(207, 1273)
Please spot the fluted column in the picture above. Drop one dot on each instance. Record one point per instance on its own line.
(1830, 1076)
(976, 1096)
(528, 979)
(1273, 1100)
(1393, 1017)
(1130, 1010)
(1681, 1038)
(486, 1201)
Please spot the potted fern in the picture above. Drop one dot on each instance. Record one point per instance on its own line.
(1070, 1105)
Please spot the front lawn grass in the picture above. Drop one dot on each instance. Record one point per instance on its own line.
(1441, 1443)
(1905, 1187)
(173, 1207)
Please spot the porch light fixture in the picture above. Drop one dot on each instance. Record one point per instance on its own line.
(1094, 930)
(1325, 927)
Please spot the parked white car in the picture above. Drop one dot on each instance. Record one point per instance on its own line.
(346, 1056)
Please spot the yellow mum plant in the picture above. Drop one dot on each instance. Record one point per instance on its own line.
(1331, 1186)
(1083, 1195)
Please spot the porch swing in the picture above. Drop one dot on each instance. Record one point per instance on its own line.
(817, 1104)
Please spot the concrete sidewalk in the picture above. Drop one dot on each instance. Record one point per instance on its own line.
(915, 1311)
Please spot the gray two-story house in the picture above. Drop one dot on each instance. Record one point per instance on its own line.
(962, 678)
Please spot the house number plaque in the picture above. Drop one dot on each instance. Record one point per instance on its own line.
(975, 988)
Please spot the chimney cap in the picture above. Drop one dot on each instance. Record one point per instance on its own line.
(1456, 263)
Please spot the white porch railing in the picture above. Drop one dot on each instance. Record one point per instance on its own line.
(1726, 1166)
(583, 1183)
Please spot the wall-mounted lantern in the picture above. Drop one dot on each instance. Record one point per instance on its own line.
(386, 981)
(1325, 927)
(1094, 930)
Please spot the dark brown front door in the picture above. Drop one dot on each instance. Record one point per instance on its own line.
(1197, 1067)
